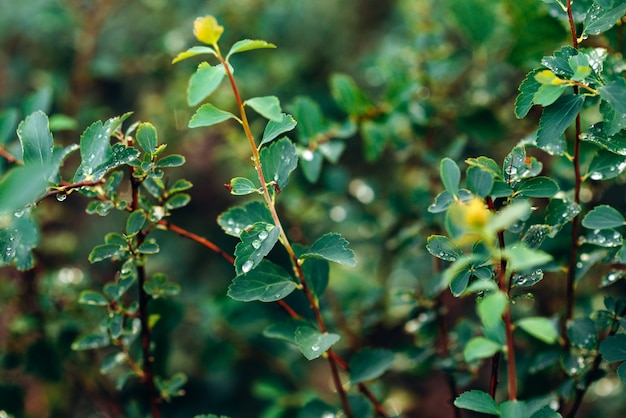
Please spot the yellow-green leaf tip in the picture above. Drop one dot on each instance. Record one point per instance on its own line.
(207, 30)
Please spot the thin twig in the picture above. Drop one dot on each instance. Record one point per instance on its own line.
(10, 158)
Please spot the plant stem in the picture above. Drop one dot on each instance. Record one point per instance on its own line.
(10, 158)
(197, 238)
(283, 236)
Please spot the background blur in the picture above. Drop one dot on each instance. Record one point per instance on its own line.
(444, 73)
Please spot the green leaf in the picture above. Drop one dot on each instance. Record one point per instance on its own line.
(621, 372)
(603, 237)
(241, 186)
(606, 165)
(559, 63)
(349, 96)
(237, 219)
(172, 387)
(177, 201)
(560, 212)
(135, 222)
(614, 92)
(555, 119)
(613, 120)
(148, 247)
(491, 308)
(546, 412)
(158, 286)
(248, 45)
(147, 137)
(375, 137)
(459, 281)
(479, 348)
(105, 251)
(613, 348)
(537, 187)
(204, 82)
(311, 163)
(60, 122)
(256, 242)
(285, 330)
(112, 361)
(21, 186)
(535, 235)
(172, 160)
(582, 333)
(522, 258)
(541, 328)
(36, 139)
(267, 106)
(442, 202)
(91, 297)
(313, 343)
(317, 409)
(8, 121)
(450, 175)
(525, 99)
(116, 324)
(310, 120)
(442, 247)
(597, 135)
(513, 409)
(332, 247)
(179, 186)
(549, 93)
(479, 181)
(600, 20)
(91, 341)
(208, 115)
(478, 401)
(603, 217)
(317, 272)
(278, 161)
(266, 283)
(508, 216)
(369, 364)
(192, 52)
(274, 128)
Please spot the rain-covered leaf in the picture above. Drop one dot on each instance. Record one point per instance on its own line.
(266, 283)
(535, 235)
(105, 251)
(537, 187)
(91, 297)
(313, 343)
(527, 279)
(527, 90)
(478, 401)
(541, 328)
(555, 119)
(606, 165)
(256, 242)
(558, 213)
(600, 20)
(442, 247)
(613, 348)
(332, 247)
(208, 115)
(596, 134)
(614, 92)
(237, 219)
(369, 364)
(275, 128)
(582, 333)
(267, 106)
(278, 160)
(36, 139)
(203, 82)
(603, 217)
(135, 222)
(603, 238)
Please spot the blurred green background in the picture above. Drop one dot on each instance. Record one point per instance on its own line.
(444, 75)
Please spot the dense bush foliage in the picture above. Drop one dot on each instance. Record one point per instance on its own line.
(409, 208)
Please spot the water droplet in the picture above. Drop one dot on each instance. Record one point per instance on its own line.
(307, 154)
(247, 266)
(262, 235)
(256, 244)
(230, 222)
(61, 196)
(315, 348)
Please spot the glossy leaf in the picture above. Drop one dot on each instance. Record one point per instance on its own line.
(177, 201)
(148, 247)
(21, 186)
(332, 247)
(582, 333)
(442, 202)
(606, 165)
(450, 175)
(513, 409)
(555, 119)
(613, 348)
(559, 62)
(237, 219)
(275, 128)
(369, 364)
(614, 92)
(192, 52)
(522, 258)
(36, 140)
(478, 401)
(241, 186)
(527, 90)
(479, 181)
(443, 247)
(91, 341)
(91, 297)
(147, 137)
(278, 160)
(479, 348)
(313, 343)
(603, 238)
(546, 412)
(491, 308)
(527, 279)
(135, 222)
(204, 82)
(537, 187)
(558, 213)
(267, 106)
(541, 328)
(459, 281)
(597, 135)
(266, 283)
(248, 45)
(209, 115)
(104, 252)
(285, 330)
(600, 20)
(603, 217)
(179, 186)
(172, 160)
(256, 242)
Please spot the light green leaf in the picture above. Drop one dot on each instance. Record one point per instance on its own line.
(177, 201)
(91, 297)
(513, 409)
(91, 341)
(278, 161)
(241, 186)
(541, 328)
(491, 308)
(549, 93)
(256, 242)
(555, 119)
(147, 137)
(349, 96)
(148, 247)
(478, 401)
(603, 217)
(525, 99)
(208, 115)
(479, 348)
(332, 247)
(537, 187)
(522, 258)
(21, 186)
(267, 106)
(450, 175)
(172, 160)
(36, 139)
(274, 129)
(237, 219)
(313, 343)
(442, 247)
(442, 202)
(582, 333)
(369, 364)
(192, 52)
(606, 165)
(614, 92)
(248, 45)
(105, 251)
(509, 216)
(266, 283)
(204, 82)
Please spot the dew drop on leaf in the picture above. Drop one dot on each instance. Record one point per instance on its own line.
(262, 235)
(247, 266)
(61, 197)
(256, 244)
